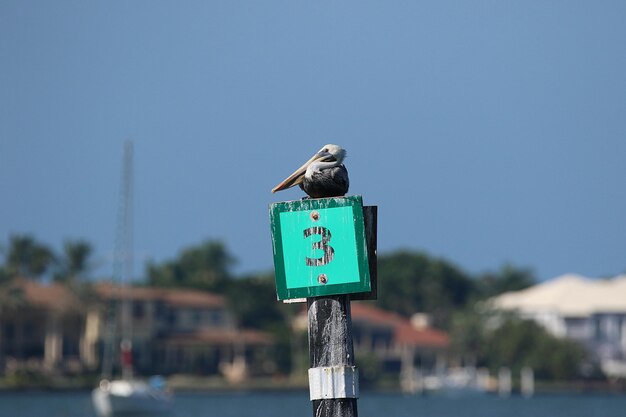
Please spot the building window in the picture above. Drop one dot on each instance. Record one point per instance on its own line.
(139, 310)
(196, 317)
(216, 317)
(9, 331)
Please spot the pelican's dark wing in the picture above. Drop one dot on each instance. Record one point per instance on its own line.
(331, 182)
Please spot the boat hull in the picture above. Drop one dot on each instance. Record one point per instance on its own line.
(129, 398)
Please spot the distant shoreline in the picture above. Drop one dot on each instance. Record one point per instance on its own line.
(190, 383)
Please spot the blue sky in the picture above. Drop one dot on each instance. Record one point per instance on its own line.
(486, 132)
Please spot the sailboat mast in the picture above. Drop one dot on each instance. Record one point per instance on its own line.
(125, 231)
(122, 274)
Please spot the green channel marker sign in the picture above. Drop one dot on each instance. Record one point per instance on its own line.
(319, 247)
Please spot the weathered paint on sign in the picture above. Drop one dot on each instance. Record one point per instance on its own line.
(319, 247)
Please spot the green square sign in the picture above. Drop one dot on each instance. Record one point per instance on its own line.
(319, 247)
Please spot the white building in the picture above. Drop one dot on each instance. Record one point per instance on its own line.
(590, 311)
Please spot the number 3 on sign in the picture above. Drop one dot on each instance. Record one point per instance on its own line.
(329, 252)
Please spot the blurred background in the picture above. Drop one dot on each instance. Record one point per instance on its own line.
(139, 142)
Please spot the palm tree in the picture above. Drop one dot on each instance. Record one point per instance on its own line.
(27, 258)
(75, 261)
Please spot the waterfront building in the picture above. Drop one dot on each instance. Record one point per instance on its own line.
(52, 328)
(396, 340)
(41, 328)
(589, 311)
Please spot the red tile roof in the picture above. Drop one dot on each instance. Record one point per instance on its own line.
(176, 297)
(51, 296)
(220, 336)
(404, 332)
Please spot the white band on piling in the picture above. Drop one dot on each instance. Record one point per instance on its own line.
(330, 382)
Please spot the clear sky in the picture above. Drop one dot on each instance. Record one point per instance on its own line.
(486, 131)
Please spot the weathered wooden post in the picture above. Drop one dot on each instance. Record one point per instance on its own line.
(324, 254)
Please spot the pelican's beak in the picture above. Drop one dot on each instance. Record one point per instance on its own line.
(297, 177)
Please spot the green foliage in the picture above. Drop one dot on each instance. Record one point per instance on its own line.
(411, 282)
(4, 275)
(74, 263)
(467, 331)
(496, 340)
(27, 258)
(253, 300)
(11, 299)
(509, 278)
(517, 343)
(205, 267)
(370, 369)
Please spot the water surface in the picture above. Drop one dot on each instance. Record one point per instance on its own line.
(290, 404)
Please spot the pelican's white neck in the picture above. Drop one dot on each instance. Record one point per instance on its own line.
(319, 166)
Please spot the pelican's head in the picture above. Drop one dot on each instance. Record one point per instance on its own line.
(329, 155)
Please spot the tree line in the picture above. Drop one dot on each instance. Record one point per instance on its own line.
(409, 281)
(25, 257)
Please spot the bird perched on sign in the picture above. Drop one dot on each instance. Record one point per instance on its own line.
(324, 175)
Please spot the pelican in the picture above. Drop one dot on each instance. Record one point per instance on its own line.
(324, 175)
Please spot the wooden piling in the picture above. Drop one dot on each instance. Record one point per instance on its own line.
(330, 344)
